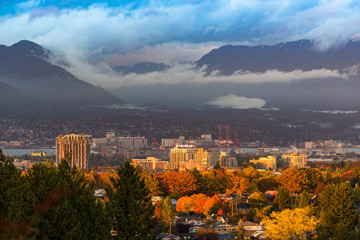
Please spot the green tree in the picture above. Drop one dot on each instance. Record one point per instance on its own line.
(167, 212)
(337, 210)
(130, 205)
(66, 207)
(16, 202)
(282, 200)
(303, 200)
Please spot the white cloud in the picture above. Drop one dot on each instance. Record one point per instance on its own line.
(237, 102)
(102, 75)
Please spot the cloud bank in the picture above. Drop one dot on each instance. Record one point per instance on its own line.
(234, 101)
(95, 30)
(186, 74)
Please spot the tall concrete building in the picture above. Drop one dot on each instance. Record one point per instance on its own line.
(268, 162)
(74, 148)
(181, 153)
(294, 160)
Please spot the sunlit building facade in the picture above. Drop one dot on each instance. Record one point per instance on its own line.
(294, 160)
(74, 148)
(268, 162)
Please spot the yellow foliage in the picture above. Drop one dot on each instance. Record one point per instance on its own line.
(290, 224)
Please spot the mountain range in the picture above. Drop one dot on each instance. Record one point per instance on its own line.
(285, 56)
(28, 79)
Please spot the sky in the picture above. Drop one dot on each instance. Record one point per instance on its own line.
(91, 35)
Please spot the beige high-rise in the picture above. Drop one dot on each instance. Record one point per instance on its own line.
(75, 148)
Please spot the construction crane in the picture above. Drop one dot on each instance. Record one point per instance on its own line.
(236, 142)
(220, 141)
(228, 142)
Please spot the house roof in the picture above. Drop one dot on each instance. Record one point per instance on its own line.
(248, 223)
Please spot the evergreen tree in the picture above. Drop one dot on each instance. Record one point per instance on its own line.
(337, 204)
(15, 198)
(303, 200)
(66, 207)
(282, 200)
(16, 202)
(130, 206)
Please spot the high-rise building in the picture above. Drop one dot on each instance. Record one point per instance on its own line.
(268, 162)
(75, 148)
(294, 160)
(181, 153)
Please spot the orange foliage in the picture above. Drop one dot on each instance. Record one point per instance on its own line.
(184, 183)
(238, 185)
(194, 203)
(348, 176)
(210, 202)
(105, 178)
(293, 180)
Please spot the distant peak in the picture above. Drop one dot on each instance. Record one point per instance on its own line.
(26, 43)
(26, 47)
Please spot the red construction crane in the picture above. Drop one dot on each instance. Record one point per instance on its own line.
(228, 142)
(220, 137)
(155, 144)
(236, 141)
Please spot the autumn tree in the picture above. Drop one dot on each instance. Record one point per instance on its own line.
(152, 183)
(238, 184)
(266, 184)
(130, 205)
(290, 224)
(184, 183)
(257, 199)
(293, 180)
(167, 212)
(158, 214)
(212, 205)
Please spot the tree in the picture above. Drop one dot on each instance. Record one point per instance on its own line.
(207, 234)
(293, 180)
(183, 183)
(167, 212)
(16, 202)
(303, 200)
(290, 224)
(282, 199)
(258, 199)
(152, 183)
(238, 184)
(130, 205)
(337, 205)
(214, 181)
(212, 205)
(158, 214)
(265, 184)
(66, 207)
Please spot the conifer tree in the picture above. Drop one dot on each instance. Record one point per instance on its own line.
(282, 200)
(130, 206)
(303, 200)
(337, 205)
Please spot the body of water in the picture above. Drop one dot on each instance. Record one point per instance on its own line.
(19, 152)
